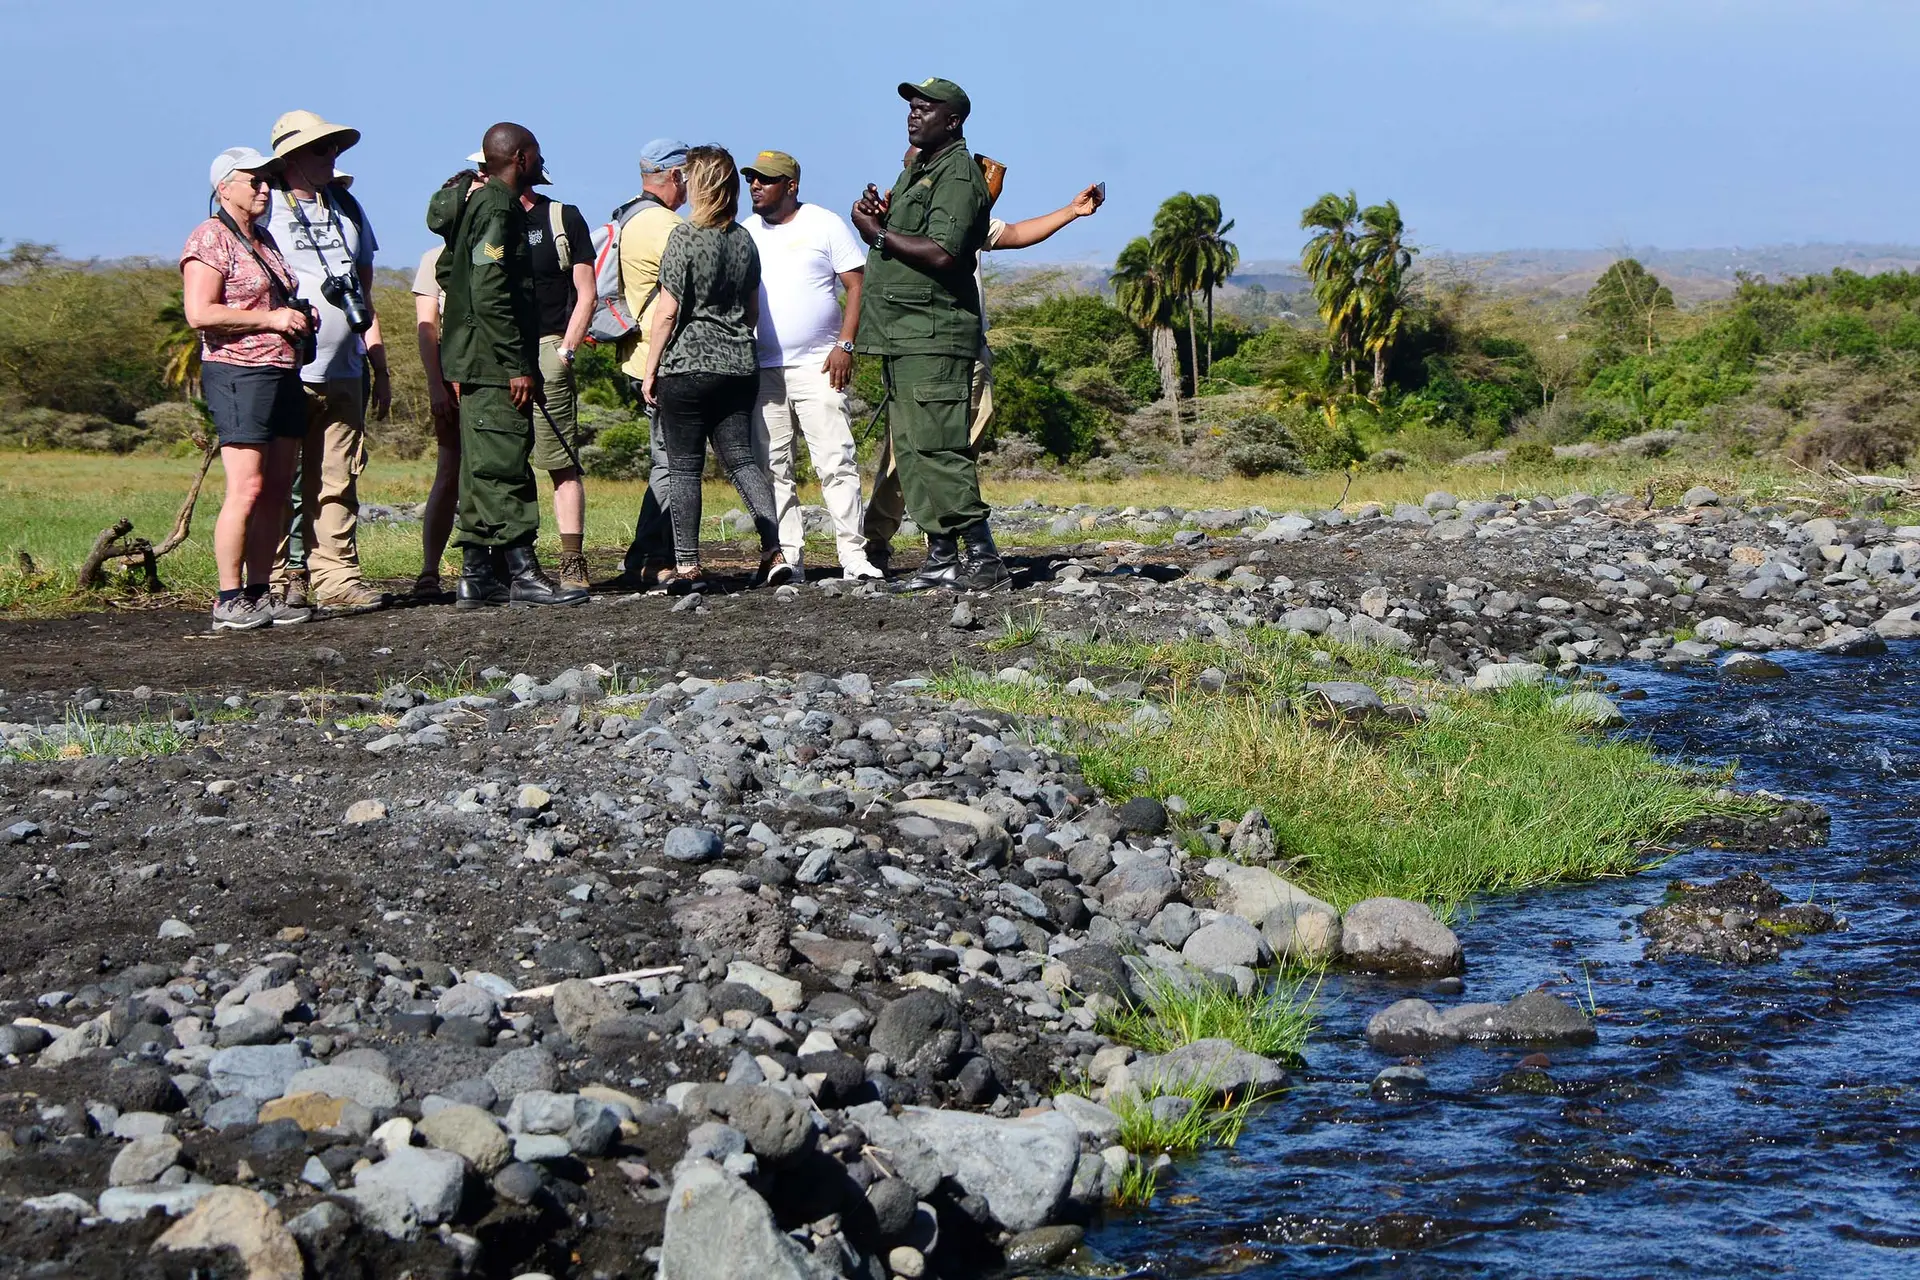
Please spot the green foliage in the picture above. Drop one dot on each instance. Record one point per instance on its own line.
(78, 339)
(1181, 1130)
(1273, 1022)
(1261, 446)
(1486, 794)
(1326, 442)
(1531, 453)
(1624, 308)
(620, 452)
(83, 735)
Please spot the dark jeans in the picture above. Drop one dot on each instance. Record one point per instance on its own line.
(696, 408)
(653, 531)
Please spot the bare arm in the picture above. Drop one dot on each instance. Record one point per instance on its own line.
(583, 302)
(200, 290)
(1031, 231)
(426, 330)
(376, 350)
(839, 365)
(916, 251)
(666, 309)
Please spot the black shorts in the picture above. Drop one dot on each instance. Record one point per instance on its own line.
(254, 404)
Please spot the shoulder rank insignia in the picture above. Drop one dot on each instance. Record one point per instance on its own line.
(497, 252)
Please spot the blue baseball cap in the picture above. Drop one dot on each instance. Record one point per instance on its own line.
(662, 154)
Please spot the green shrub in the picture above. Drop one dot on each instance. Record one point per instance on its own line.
(618, 453)
(1323, 445)
(1262, 446)
(1530, 453)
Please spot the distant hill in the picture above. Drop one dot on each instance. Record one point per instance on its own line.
(1694, 275)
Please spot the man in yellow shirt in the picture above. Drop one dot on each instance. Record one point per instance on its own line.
(645, 224)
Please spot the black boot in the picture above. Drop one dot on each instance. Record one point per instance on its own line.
(981, 568)
(942, 568)
(480, 582)
(530, 586)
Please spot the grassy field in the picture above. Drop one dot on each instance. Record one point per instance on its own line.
(52, 506)
(1484, 794)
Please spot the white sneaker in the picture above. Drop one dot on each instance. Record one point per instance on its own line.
(859, 567)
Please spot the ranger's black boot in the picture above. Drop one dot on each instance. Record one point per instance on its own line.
(530, 586)
(480, 582)
(981, 568)
(942, 568)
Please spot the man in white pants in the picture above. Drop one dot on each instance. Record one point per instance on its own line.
(805, 341)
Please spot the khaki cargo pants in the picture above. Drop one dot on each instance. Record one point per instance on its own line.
(322, 528)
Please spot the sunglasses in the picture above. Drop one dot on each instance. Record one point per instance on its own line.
(763, 180)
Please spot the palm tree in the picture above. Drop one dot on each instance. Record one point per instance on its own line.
(1219, 258)
(1329, 261)
(1177, 253)
(1381, 262)
(179, 348)
(1141, 291)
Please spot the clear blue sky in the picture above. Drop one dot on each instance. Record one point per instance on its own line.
(1495, 123)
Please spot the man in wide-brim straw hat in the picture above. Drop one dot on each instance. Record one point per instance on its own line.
(328, 241)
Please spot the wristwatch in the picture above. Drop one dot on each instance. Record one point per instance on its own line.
(845, 346)
(880, 241)
(566, 355)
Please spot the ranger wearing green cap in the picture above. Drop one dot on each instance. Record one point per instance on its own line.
(920, 312)
(489, 349)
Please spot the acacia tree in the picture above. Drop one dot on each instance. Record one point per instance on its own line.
(1381, 260)
(1140, 289)
(1330, 261)
(1624, 306)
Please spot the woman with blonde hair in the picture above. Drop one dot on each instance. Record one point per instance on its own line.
(702, 373)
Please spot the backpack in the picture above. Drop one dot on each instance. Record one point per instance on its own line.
(612, 320)
(557, 226)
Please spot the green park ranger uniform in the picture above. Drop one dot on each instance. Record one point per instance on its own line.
(489, 334)
(926, 328)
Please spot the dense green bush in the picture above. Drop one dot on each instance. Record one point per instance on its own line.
(619, 452)
(1262, 445)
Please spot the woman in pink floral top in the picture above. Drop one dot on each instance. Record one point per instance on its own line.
(237, 292)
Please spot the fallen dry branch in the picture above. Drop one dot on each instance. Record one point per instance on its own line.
(137, 554)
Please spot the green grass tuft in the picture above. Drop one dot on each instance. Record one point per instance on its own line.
(1200, 1125)
(1137, 1185)
(82, 735)
(1273, 1021)
(1485, 794)
(1018, 633)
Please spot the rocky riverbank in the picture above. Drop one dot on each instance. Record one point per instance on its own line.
(732, 968)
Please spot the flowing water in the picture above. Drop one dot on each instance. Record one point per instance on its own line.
(1730, 1122)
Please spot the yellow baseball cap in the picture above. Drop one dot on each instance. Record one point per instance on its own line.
(773, 164)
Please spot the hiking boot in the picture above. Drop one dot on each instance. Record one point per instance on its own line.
(299, 589)
(528, 585)
(480, 582)
(573, 571)
(283, 614)
(691, 581)
(355, 597)
(942, 567)
(241, 614)
(981, 568)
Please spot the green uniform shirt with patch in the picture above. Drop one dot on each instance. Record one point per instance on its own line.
(490, 330)
(905, 310)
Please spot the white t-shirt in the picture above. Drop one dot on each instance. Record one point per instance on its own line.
(335, 247)
(800, 264)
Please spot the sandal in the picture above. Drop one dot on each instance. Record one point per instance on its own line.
(684, 582)
(427, 587)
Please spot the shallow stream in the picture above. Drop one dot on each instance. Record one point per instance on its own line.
(1730, 1122)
